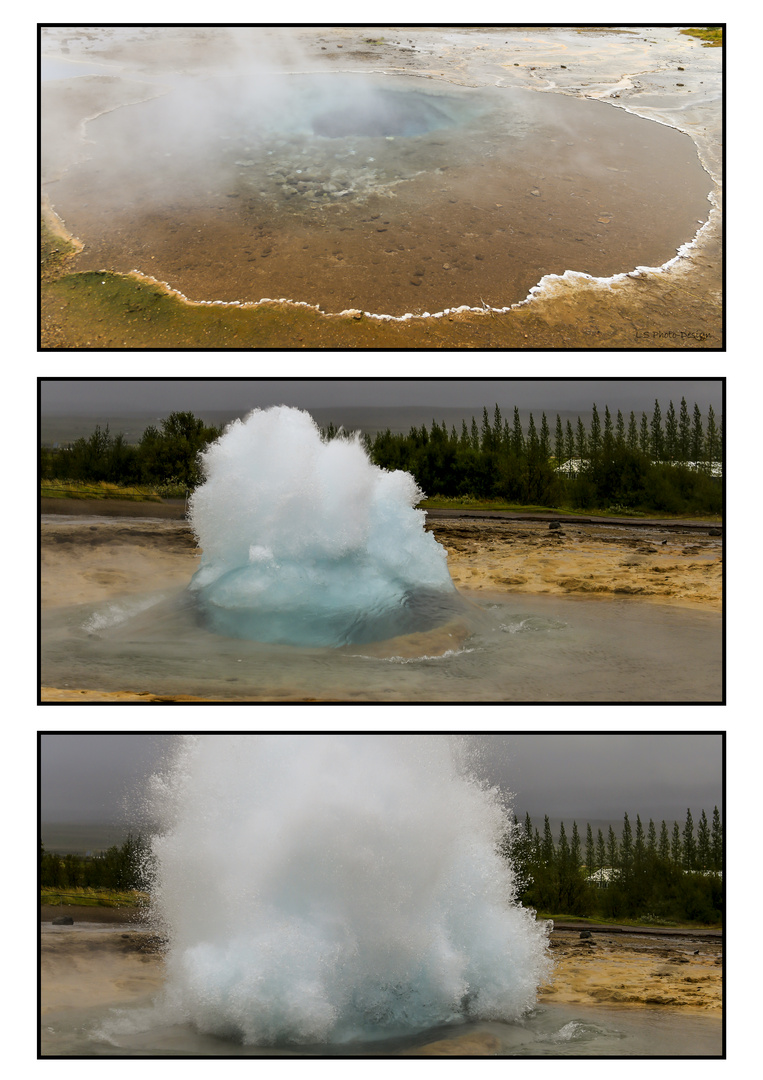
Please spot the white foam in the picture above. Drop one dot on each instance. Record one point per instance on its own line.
(319, 888)
(306, 542)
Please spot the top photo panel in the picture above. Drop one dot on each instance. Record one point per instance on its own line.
(355, 187)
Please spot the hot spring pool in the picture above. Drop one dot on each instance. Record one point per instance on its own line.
(388, 193)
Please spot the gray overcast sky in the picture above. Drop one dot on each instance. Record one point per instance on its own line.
(98, 396)
(96, 777)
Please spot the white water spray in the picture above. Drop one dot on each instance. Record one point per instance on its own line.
(305, 542)
(325, 888)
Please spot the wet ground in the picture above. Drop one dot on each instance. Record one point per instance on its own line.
(585, 613)
(617, 995)
(516, 181)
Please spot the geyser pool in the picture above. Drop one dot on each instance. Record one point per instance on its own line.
(305, 542)
(325, 888)
(388, 193)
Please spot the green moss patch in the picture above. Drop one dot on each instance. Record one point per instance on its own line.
(709, 35)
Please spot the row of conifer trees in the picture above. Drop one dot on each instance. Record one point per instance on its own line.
(614, 462)
(122, 867)
(654, 872)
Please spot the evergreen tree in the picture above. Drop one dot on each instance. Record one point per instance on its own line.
(716, 841)
(575, 847)
(697, 436)
(517, 438)
(590, 851)
(633, 443)
(547, 851)
(626, 846)
(644, 443)
(639, 846)
(684, 432)
(663, 849)
(533, 444)
(559, 441)
(608, 438)
(704, 861)
(671, 434)
(657, 441)
(569, 441)
(497, 429)
(581, 441)
(712, 442)
(651, 842)
(613, 854)
(487, 442)
(676, 851)
(620, 441)
(594, 437)
(689, 843)
(601, 850)
(544, 439)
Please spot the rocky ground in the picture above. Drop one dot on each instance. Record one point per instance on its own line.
(663, 563)
(636, 969)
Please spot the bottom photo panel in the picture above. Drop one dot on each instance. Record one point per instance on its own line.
(382, 895)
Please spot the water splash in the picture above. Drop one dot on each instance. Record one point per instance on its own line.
(325, 888)
(305, 542)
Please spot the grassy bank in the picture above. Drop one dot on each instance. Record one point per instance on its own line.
(77, 489)
(438, 502)
(643, 923)
(108, 898)
(710, 36)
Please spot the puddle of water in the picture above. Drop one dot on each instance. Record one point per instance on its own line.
(533, 648)
(52, 69)
(552, 1031)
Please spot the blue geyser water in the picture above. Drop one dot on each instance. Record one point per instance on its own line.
(325, 888)
(305, 542)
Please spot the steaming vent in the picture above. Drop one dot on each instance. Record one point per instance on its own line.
(385, 114)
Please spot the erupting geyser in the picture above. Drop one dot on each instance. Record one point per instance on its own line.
(305, 542)
(325, 888)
